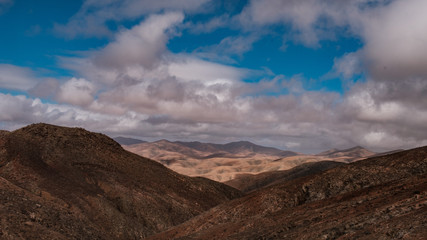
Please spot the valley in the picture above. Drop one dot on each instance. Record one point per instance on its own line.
(69, 183)
(224, 162)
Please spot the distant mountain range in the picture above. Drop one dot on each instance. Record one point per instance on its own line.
(223, 162)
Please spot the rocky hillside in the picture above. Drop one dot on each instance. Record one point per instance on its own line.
(348, 155)
(68, 183)
(250, 182)
(378, 198)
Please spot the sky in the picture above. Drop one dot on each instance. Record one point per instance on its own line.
(299, 75)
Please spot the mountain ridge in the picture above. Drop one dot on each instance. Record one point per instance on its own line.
(251, 182)
(341, 202)
(128, 141)
(72, 177)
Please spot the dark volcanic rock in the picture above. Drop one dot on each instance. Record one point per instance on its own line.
(68, 183)
(378, 198)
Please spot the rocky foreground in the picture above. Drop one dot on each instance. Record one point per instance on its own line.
(68, 183)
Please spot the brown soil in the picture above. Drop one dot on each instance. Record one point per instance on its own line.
(378, 198)
(250, 182)
(68, 183)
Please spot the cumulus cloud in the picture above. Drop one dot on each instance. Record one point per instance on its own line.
(75, 91)
(19, 109)
(227, 48)
(303, 17)
(348, 65)
(395, 40)
(193, 69)
(91, 18)
(142, 45)
(16, 78)
(46, 88)
(134, 53)
(135, 86)
(137, 74)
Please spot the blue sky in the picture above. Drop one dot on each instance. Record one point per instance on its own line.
(301, 75)
(32, 42)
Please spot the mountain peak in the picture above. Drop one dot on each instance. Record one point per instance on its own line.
(354, 148)
(352, 154)
(57, 138)
(163, 141)
(242, 142)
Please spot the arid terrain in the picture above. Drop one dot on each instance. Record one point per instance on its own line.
(250, 182)
(224, 162)
(378, 198)
(68, 183)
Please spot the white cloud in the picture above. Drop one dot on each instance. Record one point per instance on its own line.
(137, 74)
(78, 92)
(228, 47)
(91, 18)
(16, 78)
(19, 109)
(46, 88)
(135, 86)
(303, 17)
(395, 40)
(192, 69)
(143, 45)
(393, 32)
(348, 65)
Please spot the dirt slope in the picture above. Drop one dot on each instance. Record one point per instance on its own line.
(68, 183)
(251, 182)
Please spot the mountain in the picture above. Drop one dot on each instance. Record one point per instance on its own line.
(348, 155)
(224, 162)
(127, 141)
(219, 162)
(378, 198)
(68, 183)
(250, 182)
(237, 148)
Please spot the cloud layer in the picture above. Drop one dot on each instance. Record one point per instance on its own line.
(91, 19)
(135, 86)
